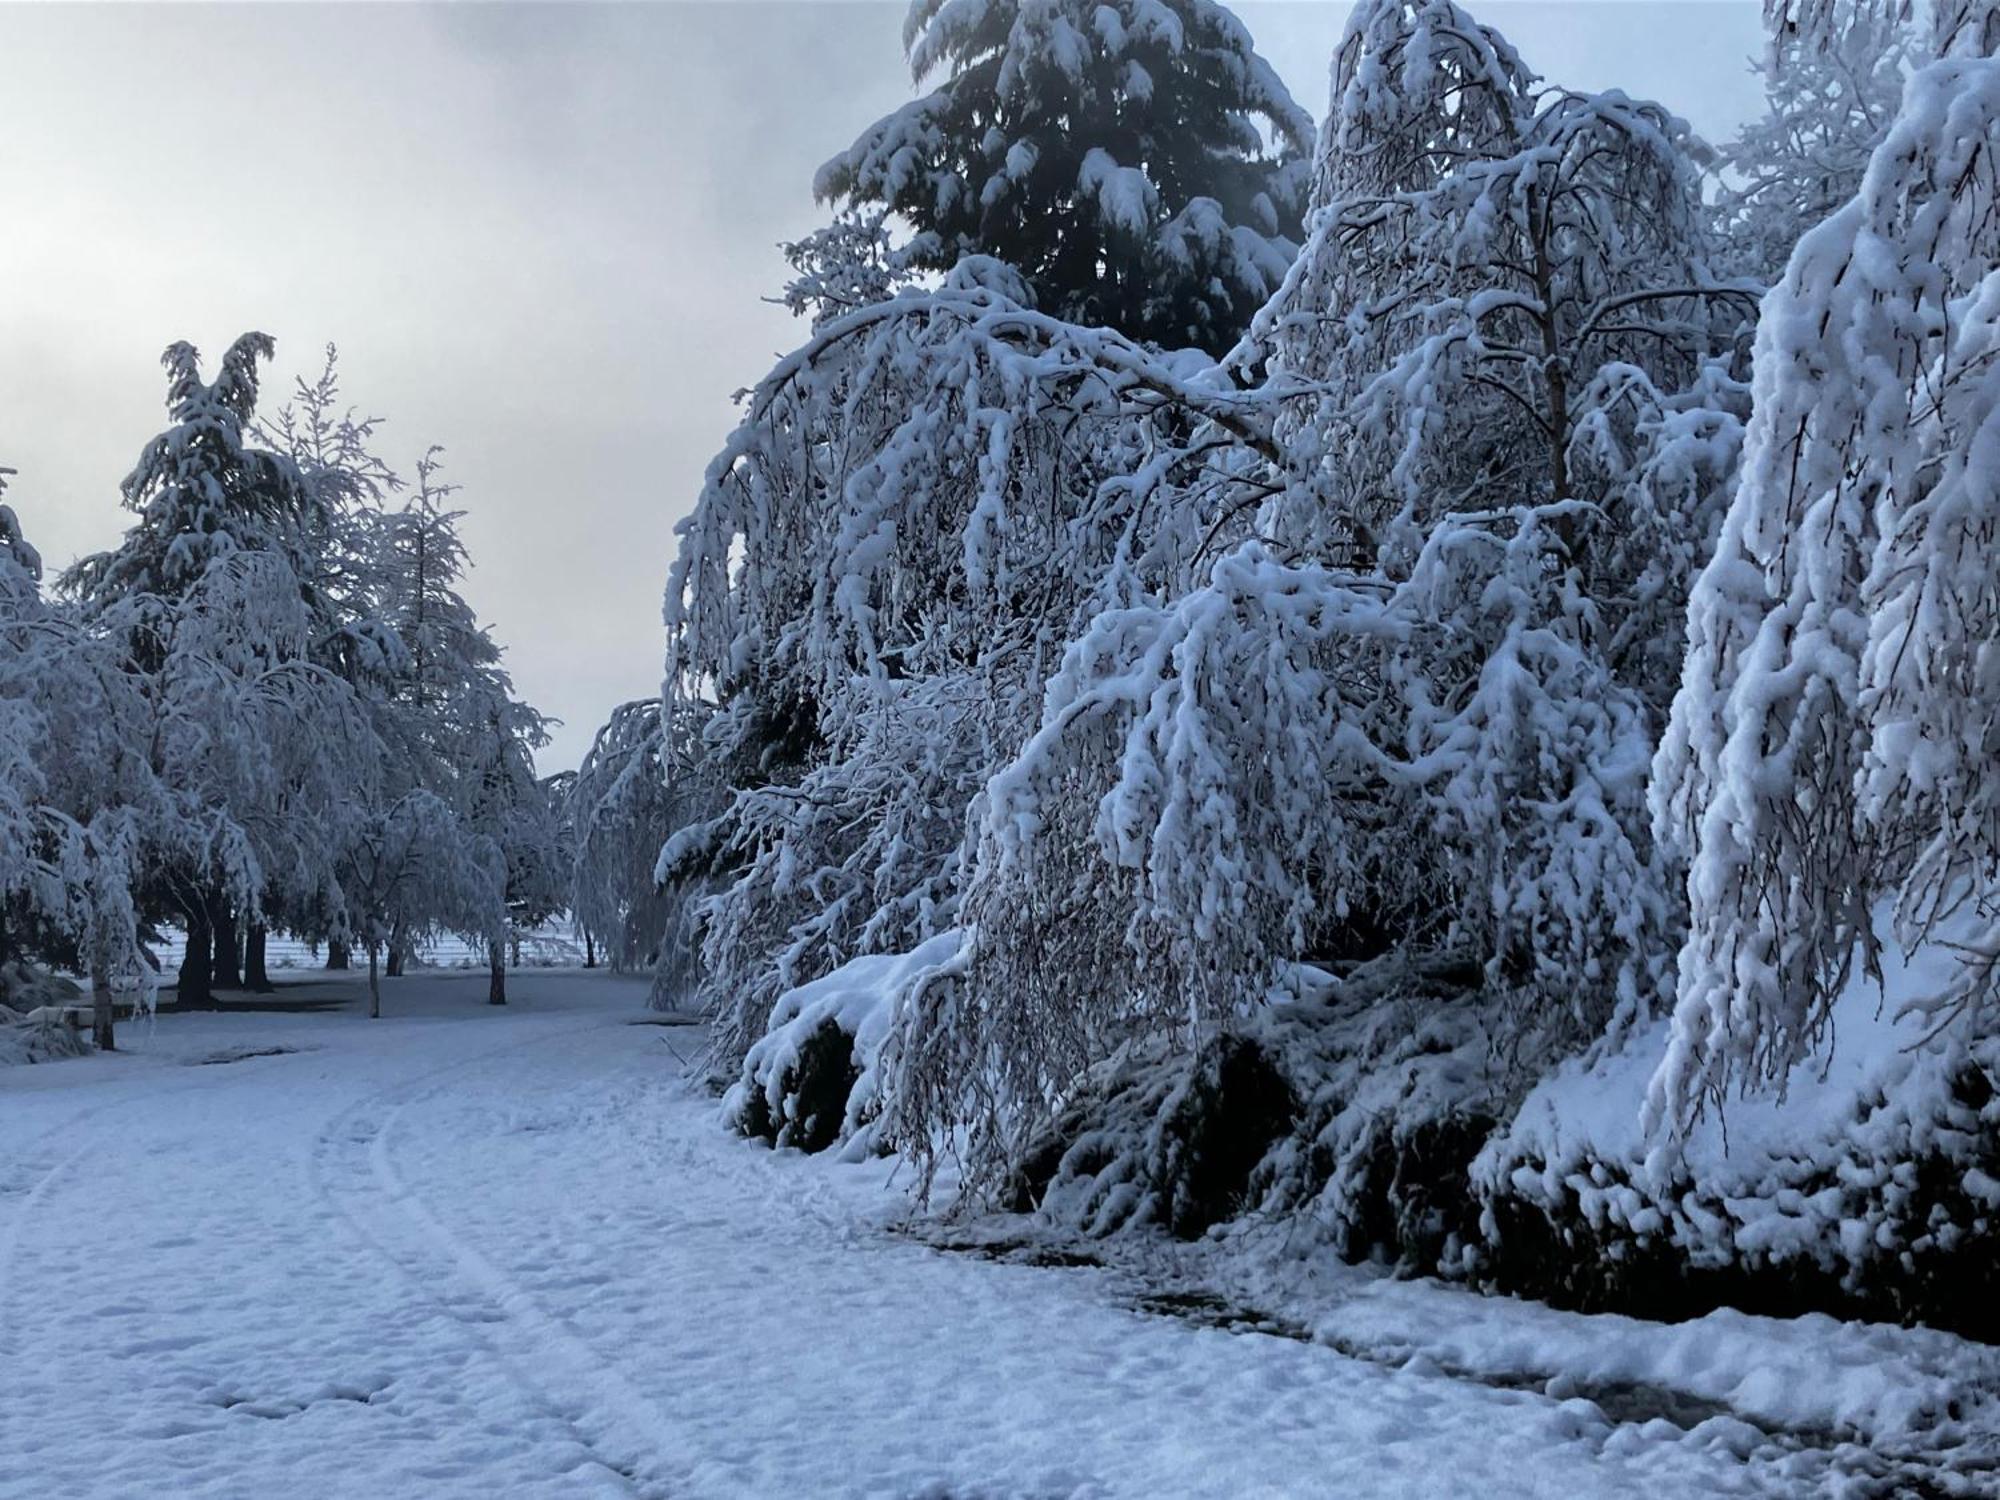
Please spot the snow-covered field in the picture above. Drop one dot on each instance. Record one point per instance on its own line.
(475, 1252)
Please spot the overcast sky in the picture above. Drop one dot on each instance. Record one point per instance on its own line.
(539, 234)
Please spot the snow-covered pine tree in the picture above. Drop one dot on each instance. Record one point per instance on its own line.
(1136, 160)
(1828, 764)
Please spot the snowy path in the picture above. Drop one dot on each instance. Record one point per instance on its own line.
(469, 1252)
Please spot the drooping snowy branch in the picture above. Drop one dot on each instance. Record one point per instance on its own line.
(1829, 745)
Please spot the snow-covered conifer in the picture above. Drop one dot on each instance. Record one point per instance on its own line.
(917, 509)
(208, 603)
(1136, 160)
(200, 490)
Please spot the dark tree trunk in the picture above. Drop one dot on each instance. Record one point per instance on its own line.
(496, 974)
(514, 947)
(102, 1028)
(337, 954)
(226, 972)
(397, 953)
(374, 986)
(589, 950)
(256, 976)
(192, 986)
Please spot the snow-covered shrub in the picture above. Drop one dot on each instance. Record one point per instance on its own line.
(1168, 1138)
(39, 1039)
(1220, 784)
(1347, 1114)
(1871, 1188)
(33, 1007)
(814, 1078)
(25, 986)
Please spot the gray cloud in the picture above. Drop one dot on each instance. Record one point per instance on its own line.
(540, 234)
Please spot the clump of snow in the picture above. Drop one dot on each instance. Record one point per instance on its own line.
(777, 1094)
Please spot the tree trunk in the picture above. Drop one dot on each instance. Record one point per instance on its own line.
(336, 954)
(226, 971)
(101, 1017)
(514, 946)
(374, 985)
(589, 950)
(192, 985)
(256, 976)
(396, 953)
(496, 974)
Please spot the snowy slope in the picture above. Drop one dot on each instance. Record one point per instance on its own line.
(476, 1252)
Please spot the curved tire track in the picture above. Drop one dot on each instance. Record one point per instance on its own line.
(354, 1173)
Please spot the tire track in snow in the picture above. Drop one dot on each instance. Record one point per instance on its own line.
(354, 1174)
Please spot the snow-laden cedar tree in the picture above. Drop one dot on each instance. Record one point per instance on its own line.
(200, 489)
(1136, 160)
(208, 605)
(919, 506)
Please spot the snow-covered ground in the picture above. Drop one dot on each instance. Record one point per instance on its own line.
(465, 1251)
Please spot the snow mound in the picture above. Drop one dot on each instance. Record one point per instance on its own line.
(1353, 1117)
(31, 1025)
(814, 1078)
(40, 1039)
(1869, 1185)
(1810, 1374)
